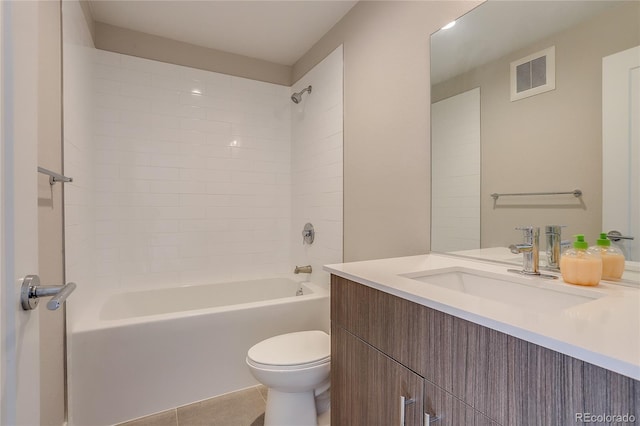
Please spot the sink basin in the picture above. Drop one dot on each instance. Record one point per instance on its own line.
(533, 294)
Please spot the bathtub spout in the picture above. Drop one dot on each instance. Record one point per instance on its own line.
(302, 269)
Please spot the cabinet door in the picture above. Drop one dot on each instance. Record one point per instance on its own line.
(391, 324)
(368, 387)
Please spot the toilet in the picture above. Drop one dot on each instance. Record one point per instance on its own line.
(295, 368)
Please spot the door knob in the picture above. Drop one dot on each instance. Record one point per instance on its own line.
(617, 236)
(32, 291)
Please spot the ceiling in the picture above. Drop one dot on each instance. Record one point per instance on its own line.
(497, 28)
(275, 31)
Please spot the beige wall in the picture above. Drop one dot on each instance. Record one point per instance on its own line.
(548, 142)
(386, 122)
(50, 210)
(134, 43)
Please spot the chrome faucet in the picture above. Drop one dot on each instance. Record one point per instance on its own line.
(530, 249)
(303, 269)
(554, 245)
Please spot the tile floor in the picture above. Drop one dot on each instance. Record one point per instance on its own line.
(241, 408)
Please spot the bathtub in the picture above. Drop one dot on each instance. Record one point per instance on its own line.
(144, 352)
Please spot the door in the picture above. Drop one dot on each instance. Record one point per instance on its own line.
(621, 147)
(19, 344)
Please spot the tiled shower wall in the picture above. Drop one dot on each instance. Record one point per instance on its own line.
(455, 174)
(191, 174)
(78, 144)
(317, 166)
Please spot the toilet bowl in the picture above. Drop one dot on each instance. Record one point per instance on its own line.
(295, 368)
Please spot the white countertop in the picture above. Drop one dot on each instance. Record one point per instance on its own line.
(631, 275)
(604, 332)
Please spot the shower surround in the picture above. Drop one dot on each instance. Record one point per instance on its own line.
(194, 177)
(187, 177)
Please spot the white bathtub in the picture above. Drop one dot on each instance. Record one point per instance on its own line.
(145, 352)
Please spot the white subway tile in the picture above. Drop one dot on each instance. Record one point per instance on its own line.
(244, 177)
(192, 251)
(256, 131)
(212, 79)
(221, 100)
(180, 213)
(204, 200)
(160, 225)
(106, 71)
(205, 175)
(177, 187)
(177, 161)
(101, 85)
(163, 252)
(223, 114)
(148, 92)
(165, 240)
(141, 78)
(206, 126)
(214, 151)
(204, 183)
(127, 103)
(214, 271)
(202, 225)
(150, 199)
(175, 83)
(192, 112)
(106, 115)
(150, 173)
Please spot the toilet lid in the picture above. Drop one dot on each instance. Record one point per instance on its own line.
(303, 347)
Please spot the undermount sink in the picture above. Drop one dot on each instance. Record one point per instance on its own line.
(531, 293)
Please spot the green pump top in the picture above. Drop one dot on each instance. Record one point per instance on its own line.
(603, 240)
(580, 243)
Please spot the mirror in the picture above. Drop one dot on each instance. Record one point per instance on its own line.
(517, 108)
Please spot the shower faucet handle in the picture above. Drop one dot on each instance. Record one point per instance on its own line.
(308, 234)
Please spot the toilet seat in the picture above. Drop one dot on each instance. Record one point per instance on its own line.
(292, 351)
(272, 367)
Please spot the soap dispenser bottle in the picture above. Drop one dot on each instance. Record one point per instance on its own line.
(581, 265)
(612, 258)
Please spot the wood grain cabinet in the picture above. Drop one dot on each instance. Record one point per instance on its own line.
(370, 388)
(385, 347)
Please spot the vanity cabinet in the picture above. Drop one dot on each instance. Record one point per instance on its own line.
(384, 346)
(373, 389)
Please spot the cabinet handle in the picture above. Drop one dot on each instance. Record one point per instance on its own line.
(403, 403)
(428, 419)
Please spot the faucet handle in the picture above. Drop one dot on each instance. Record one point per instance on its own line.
(529, 232)
(528, 228)
(553, 229)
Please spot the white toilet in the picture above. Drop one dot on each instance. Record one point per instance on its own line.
(295, 367)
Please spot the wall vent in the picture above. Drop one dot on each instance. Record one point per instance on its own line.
(533, 74)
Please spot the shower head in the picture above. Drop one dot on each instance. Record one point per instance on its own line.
(297, 97)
